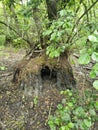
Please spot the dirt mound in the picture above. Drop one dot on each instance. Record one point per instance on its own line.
(32, 74)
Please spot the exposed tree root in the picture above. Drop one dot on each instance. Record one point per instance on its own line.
(32, 74)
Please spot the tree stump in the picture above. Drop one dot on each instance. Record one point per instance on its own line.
(35, 74)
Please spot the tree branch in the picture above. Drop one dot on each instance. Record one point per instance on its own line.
(86, 11)
(11, 28)
(70, 38)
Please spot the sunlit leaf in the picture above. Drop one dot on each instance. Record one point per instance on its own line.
(92, 74)
(71, 125)
(96, 32)
(92, 112)
(59, 106)
(62, 12)
(95, 67)
(53, 36)
(47, 32)
(92, 38)
(87, 123)
(63, 128)
(95, 84)
(84, 59)
(96, 105)
(57, 121)
(57, 54)
(2, 68)
(95, 56)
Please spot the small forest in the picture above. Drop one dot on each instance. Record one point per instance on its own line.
(48, 64)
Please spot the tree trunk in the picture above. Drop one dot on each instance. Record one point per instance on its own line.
(15, 19)
(51, 9)
(5, 15)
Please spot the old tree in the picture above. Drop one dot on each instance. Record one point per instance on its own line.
(38, 68)
(50, 29)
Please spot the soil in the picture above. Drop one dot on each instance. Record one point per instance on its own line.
(19, 111)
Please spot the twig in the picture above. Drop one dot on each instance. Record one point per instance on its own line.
(49, 113)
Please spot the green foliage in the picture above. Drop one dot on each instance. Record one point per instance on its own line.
(90, 52)
(2, 68)
(74, 112)
(35, 100)
(19, 43)
(84, 58)
(58, 32)
(2, 39)
(34, 3)
(95, 84)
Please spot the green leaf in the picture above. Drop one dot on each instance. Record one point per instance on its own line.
(51, 123)
(3, 68)
(59, 34)
(59, 106)
(96, 32)
(60, 23)
(53, 36)
(70, 125)
(70, 93)
(95, 56)
(87, 123)
(96, 105)
(95, 84)
(57, 121)
(92, 38)
(51, 54)
(95, 67)
(47, 52)
(84, 59)
(66, 117)
(70, 104)
(63, 101)
(94, 71)
(62, 12)
(92, 74)
(47, 32)
(92, 112)
(64, 128)
(79, 111)
(56, 53)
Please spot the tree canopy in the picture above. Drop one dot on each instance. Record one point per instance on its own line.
(33, 20)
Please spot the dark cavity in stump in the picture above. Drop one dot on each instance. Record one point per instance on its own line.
(48, 74)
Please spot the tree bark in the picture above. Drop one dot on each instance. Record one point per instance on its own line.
(51, 9)
(15, 19)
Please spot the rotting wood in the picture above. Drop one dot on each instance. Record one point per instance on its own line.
(34, 72)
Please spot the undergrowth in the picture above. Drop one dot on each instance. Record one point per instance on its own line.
(75, 112)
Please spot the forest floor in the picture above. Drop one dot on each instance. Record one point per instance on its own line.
(18, 112)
